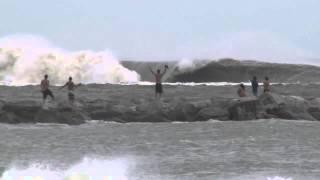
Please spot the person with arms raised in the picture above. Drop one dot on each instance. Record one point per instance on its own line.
(158, 77)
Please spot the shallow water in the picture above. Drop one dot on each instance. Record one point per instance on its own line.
(177, 151)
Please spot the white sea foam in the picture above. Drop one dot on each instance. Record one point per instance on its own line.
(25, 59)
(279, 178)
(88, 169)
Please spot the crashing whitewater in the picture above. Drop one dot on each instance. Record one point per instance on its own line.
(24, 60)
(88, 169)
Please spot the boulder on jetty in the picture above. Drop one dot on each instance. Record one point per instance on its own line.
(271, 105)
(33, 112)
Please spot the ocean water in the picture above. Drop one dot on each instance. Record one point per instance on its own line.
(213, 150)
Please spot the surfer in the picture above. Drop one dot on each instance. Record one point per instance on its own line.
(158, 76)
(255, 85)
(266, 85)
(71, 86)
(242, 91)
(45, 89)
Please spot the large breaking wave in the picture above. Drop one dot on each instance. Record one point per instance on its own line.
(25, 59)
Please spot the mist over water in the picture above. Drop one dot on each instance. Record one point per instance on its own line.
(25, 59)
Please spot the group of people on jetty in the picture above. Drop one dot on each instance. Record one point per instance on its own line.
(71, 86)
(255, 87)
(158, 75)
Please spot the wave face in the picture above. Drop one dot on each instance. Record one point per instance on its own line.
(25, 59)
(230, 70)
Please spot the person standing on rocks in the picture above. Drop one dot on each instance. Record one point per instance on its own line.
(255, 86)
(71, 86)
(266, 85)
(45, 89)
(242, 91)
(158, 77)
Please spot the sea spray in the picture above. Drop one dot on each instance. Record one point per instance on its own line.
(88, 169)
(25, 59)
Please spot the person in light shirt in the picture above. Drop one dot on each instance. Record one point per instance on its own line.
(266, 85)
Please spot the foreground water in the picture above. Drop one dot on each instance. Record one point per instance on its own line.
(264, 149)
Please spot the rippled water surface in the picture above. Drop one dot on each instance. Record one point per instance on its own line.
(177, 151)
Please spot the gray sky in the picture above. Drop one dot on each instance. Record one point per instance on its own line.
(172, 29)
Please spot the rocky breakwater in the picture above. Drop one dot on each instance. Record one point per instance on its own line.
(275, 106)
(169, 109)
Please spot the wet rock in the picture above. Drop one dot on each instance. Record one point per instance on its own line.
(19, 112)
(63, 116)
(104, 114)
(270, 105)
(32, 112)
(244, 109)
(286, 107)
(212, 112)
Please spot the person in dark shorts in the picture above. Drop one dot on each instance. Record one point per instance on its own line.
(45, 89)
(158, 76)
(71, 86)
(255, 86)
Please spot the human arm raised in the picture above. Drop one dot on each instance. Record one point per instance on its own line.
(165, 69)
(151, 70)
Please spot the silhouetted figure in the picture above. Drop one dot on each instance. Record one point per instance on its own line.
(255, 86)
(158, 76)
(45, 89)
(266, 85)
(71, 86)
(242, 91)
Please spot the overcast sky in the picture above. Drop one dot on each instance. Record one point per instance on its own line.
(171, 29)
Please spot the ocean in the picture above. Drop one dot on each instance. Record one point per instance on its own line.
(214, 150)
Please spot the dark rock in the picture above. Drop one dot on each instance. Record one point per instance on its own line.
(19, 112)
(71, 117)
(314, 112)
(213, 112)
(32, 112)
(104, 114)
(244, 109)
(285, 107)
